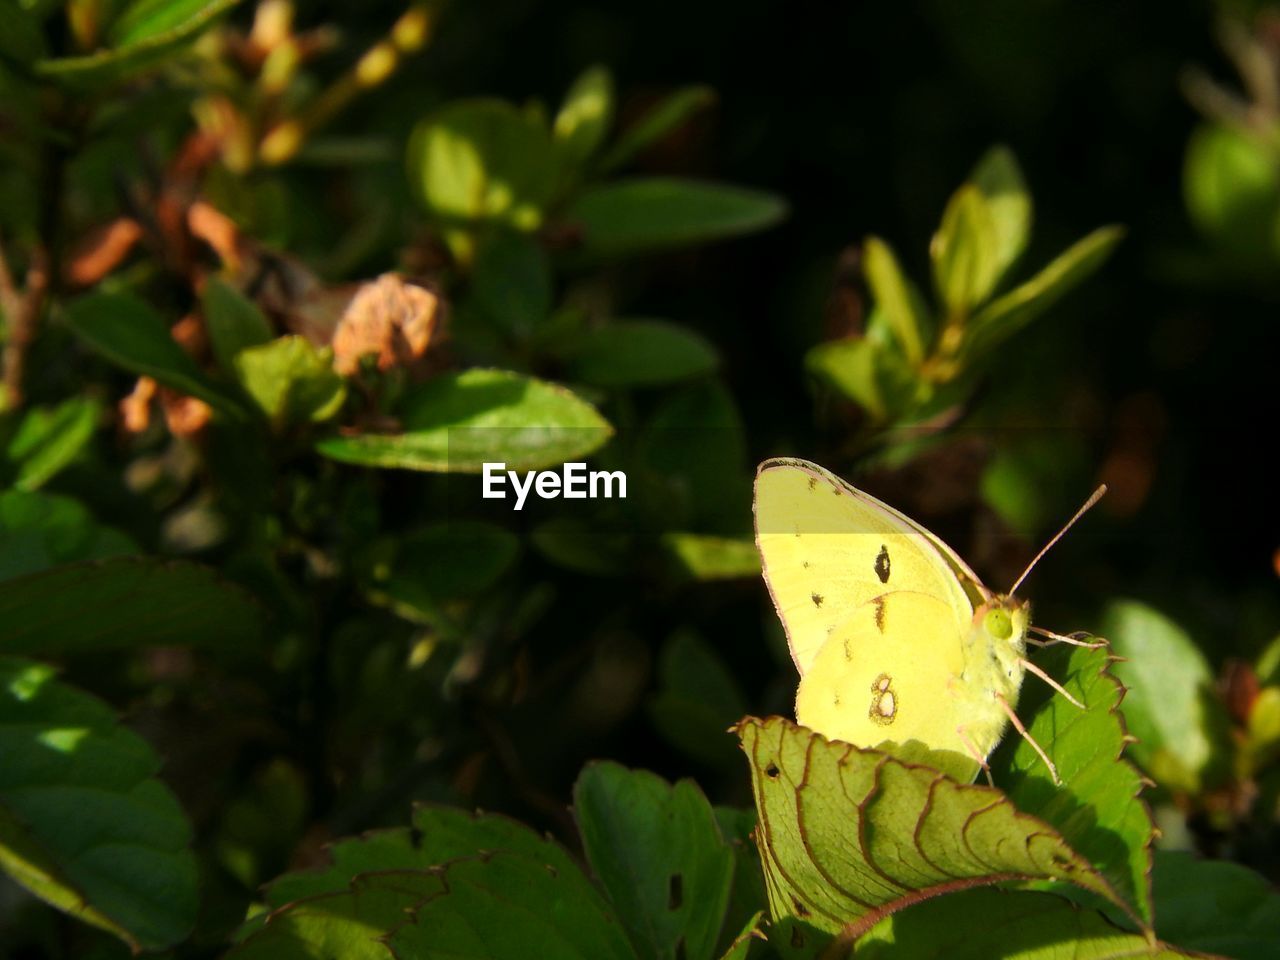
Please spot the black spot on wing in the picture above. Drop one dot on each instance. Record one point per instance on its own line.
(816, 598)
(882, 564)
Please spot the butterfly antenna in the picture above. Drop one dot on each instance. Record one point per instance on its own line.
(1088, 504)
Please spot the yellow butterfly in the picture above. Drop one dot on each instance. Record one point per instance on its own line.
(895, 638)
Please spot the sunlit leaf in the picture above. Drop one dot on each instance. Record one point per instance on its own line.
(291, 381)
(1009, 313)
(657, 851)
(1169, 706)
(84, 824)
(848, 836)
(458, 422)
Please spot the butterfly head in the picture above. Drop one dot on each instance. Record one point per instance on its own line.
(1004, 619)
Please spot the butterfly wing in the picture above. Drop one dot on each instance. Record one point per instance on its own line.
(828, 549)
(898, 670)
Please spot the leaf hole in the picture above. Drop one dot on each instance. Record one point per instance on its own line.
(675, 892)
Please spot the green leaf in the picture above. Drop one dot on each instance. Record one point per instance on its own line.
(585, 117)
(350, 924)
(447, 561)
(701, 556)
(1169, 704)
(639, 353)
(697, 700)
(1215, 906)
(657, 851)
(482, 160)
(750, 935)
(49, 439)
(848, 836)
(131, 335)
(41, 530)
(125, 603)
(664, 117)
(438, 835)
(1009, 313)
(554, 912)
(144, 34)
(898, 299)
(965, 252)
(999, 180)
(291, 381)
(459, 421)
(984, 923)
(627, 217)
(1097, 807)
(1232, 189)
(232, 320)
(873, 377)
(511, 281)
(84, 824)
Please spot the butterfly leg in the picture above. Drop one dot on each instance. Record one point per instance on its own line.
(1053, 638)
(1017, 724)
(1028, 665)
(973, 752)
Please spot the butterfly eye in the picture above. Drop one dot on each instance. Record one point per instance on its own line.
(999, 624)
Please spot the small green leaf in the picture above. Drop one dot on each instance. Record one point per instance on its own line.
(627, 217)
(1215, 906)
(144, 34)
(697, 700)
(1000, 181)
(511, 281)
(983, 923)
(664, 117)
(639, 353)
(482, 160)
(84, 824)
(873, 377)
(49, 439)
(1009, 313)
(1096, 807)
(658, 853)
(965, 252)
(232, 320)
(1170, 687)
(848, 836)
(291, 381)
(700, 556)
(459, 421)
(131, 335)
(898, 299)
(41, 530)
(555, 912)
(125, 603)
(585, 117)
(1232, 189)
